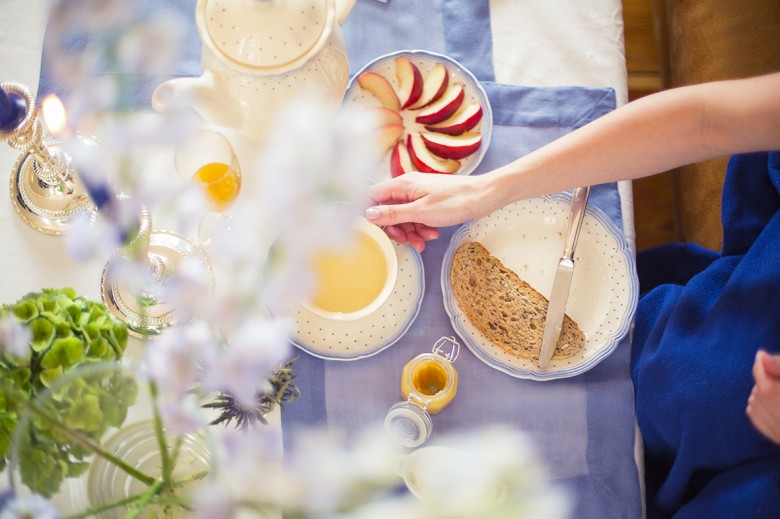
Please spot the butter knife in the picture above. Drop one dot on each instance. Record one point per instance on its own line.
(563, 274)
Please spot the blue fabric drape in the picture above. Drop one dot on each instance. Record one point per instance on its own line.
(697, 332)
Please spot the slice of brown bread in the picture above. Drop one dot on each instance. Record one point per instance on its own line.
(506, 309)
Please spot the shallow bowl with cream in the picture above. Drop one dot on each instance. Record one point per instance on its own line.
(354, 281)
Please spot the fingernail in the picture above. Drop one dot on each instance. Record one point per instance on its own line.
(372, 213)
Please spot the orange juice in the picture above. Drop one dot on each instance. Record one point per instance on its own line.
(352, 278)
(221, 184)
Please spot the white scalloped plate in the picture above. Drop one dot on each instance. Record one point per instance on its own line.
(425, 60)
(361, 338)
(527, 237)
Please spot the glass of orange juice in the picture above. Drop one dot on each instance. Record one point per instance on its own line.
(208, 159)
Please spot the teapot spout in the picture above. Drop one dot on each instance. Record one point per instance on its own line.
(205, 94)
(343, 7)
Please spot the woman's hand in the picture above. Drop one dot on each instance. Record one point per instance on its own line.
(764, 402)
(412, 206)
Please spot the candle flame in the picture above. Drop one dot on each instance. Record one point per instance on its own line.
(54, 114)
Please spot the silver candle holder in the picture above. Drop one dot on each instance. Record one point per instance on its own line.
(145, 310)
(45, 192)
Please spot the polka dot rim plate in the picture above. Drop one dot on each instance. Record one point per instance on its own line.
(367, 336)
(527, 237)
(425, 61)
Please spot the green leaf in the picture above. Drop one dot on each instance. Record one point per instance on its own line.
(47, 376)
(85, 414)
(42, 471)
(74, 314)
(63, 352)
(68, 292)
(120, 335)
(100, 348)
(43, 332)
(48, 304)
(77, 469)
(91, 330)
(25, 311)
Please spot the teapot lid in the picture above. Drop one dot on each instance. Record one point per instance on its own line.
(271, 36)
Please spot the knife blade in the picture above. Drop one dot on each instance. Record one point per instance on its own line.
(559, 295)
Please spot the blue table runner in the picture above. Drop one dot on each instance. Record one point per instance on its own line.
(584, 425)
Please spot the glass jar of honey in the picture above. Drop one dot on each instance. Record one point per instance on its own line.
(429, 382)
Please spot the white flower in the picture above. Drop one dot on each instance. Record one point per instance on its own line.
(253, 350)
(89, 237)
(213, 502)
(152, 46)
(328, 469)
(182, 415)
(28, 507)
(188, 289)
(312, 179)
(174, 359)
(14, 337)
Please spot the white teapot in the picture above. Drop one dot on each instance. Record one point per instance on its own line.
(256, 55)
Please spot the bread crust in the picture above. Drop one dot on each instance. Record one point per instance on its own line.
(506, 309)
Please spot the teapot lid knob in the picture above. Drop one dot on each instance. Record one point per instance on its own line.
(275, 35)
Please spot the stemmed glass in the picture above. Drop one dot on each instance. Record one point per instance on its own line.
(208, 159)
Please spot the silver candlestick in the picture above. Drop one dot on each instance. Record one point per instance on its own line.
(45, 191)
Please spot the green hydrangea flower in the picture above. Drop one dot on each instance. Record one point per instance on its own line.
(67, 332)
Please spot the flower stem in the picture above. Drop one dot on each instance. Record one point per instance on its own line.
(189, 479)
(95, 510)
(165, 458)
(90, 444)
(144, 499)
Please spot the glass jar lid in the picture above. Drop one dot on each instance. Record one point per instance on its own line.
(408, 424)
(270, 35)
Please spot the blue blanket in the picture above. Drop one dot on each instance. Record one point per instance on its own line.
(698, 328)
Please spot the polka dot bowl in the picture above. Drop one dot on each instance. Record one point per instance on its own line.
(360, 338)
(527, 237)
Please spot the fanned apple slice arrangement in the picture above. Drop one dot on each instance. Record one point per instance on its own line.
(441, 110)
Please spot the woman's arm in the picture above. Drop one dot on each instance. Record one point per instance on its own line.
(650, 135)
(653, 134)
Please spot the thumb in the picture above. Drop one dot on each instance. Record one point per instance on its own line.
(770, 363)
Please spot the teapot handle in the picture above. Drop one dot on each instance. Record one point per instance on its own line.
(343, 7)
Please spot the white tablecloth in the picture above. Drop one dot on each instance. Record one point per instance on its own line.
(586, 50)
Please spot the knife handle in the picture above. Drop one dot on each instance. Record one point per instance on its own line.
(579, 202)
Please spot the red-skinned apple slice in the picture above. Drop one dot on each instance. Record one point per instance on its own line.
(452, 146)
(462, 121)
(400, 161)
(434, 85)
(388, 135)
(384, 116)
(410, 81)
(423, 160)
(381, 88)
(443, 107)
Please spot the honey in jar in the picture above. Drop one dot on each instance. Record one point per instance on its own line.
(429, 382)
(432, 378)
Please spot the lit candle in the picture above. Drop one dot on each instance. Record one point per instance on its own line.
(56, 118)
(12, 110)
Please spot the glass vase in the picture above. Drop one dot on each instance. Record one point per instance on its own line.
(138, 446)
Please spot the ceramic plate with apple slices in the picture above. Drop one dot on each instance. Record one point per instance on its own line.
(446, 115)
